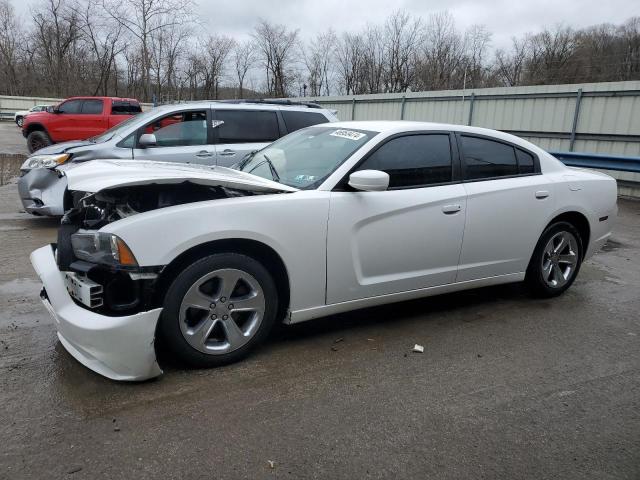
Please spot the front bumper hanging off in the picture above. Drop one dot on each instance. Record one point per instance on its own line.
(120, 348)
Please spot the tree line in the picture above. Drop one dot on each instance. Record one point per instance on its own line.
(159, 50)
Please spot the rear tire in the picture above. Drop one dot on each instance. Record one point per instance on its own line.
(556, 260)
(37, 140)
(217, 310)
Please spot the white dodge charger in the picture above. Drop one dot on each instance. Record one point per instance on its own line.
(327, 219)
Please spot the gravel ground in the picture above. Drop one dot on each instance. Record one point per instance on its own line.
(507, 387)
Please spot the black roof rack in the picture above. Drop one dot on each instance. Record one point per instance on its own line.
(274, 102)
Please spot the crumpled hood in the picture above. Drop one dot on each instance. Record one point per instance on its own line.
(99, 175)
(62, 147)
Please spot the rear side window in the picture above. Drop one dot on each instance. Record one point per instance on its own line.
(526, 164)
(246, 126)
(93, 107)
(297, 120)
(71, 106)
(413, 160)
(485, 158)
(120, 107)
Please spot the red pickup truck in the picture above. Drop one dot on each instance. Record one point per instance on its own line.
(76, 118)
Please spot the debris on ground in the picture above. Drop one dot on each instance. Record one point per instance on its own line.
(271, 463)
(338, 340)
(74, 470)
(334, 349)
(418, 348)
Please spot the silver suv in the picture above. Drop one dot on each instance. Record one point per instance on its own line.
(207, 132)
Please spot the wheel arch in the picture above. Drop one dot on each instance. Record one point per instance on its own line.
(257, 250)
(36, 127)
(579, 221)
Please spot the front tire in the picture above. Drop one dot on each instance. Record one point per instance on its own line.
(218, 310)
(556, 260)
(37, 140)
(20, 121)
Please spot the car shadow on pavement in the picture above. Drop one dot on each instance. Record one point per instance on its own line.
(401, 317)
(428, 309)
(36, 223)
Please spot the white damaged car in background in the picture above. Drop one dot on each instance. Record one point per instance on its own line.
(330, 218)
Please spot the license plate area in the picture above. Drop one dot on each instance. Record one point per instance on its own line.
(84, 290)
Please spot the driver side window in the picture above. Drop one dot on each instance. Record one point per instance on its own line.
(72, 106)
(413, 161)
(180, 129)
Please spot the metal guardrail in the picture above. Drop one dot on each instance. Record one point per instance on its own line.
(595, 160)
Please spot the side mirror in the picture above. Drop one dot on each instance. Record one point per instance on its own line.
(147, 140)
(369, 180)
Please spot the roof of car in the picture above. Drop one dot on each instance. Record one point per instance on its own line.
(89, 97)
(245, 104)
(391, 127)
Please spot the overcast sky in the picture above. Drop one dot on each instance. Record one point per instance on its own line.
(504, 18)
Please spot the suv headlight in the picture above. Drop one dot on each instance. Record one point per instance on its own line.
(45, 161)
(103, 248)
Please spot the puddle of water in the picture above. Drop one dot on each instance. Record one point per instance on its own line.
(7, 228)
(612, 245)
(15, 216)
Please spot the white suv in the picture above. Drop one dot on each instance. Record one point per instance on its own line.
(18, 117)
(208, 132)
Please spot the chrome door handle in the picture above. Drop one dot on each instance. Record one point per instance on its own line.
(540, 194)
(451, 209)
(204, 154)
(227, 153)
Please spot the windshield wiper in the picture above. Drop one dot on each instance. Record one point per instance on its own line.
(274, 172)
(241, 164)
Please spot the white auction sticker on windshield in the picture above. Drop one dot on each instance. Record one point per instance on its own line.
(350, 134)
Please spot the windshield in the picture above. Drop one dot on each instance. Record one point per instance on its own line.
(120, 127)
(304, 159)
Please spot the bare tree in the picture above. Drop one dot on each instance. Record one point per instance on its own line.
(168, 44)
(373, 61)
(104, 39)
(509, 66)
(10, 35)
(157, 49)
(57, 31)
(551, 54)
(629, 47)
(276, 45)
(477, 40)
(318, 61)
(442, 55)
(403, 36)
(350, 62)
(143, 19)
(244, 58)
(217, 49)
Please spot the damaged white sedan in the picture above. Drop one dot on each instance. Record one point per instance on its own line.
(324, 220)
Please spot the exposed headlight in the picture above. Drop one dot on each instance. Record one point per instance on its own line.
(103, 248)
(45, 161)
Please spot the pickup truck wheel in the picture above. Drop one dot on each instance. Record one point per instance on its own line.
(37, 140)
(20, 121)
(218, 309)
